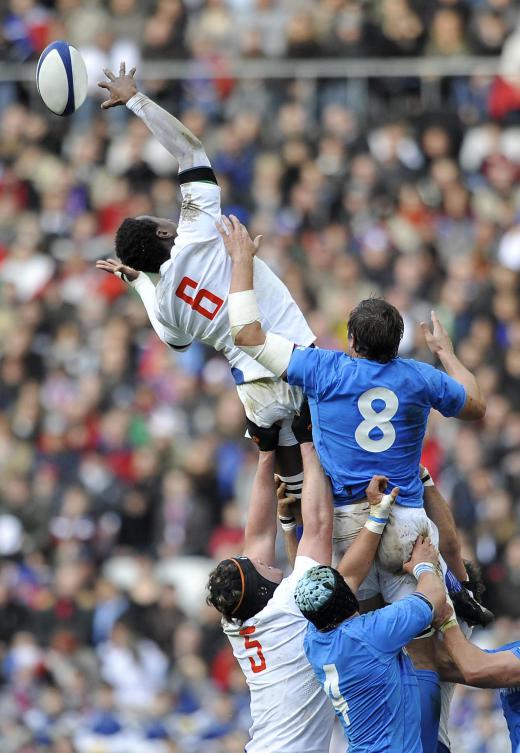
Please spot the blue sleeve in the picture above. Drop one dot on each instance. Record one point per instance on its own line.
(394, 626)
(444, 393)
(312, 369)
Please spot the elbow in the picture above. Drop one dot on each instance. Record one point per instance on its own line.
(248, 336)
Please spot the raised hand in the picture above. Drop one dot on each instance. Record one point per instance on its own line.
(437, 341)
(236, 239)
(121, 88)
(380, 503)
(114, 267)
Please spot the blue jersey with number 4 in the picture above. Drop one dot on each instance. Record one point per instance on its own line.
(369, 679)
(510, 698)
(370, 418)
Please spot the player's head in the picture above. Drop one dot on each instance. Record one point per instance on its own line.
(240, 587)
(144, 243)
(375, 330)
(324, 598)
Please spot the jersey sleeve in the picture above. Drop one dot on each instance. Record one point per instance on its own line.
(200, 210)
(444, 393)
(394, 626)
(312, 369)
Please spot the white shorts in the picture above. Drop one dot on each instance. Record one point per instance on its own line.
(267, 401)
(403, 528)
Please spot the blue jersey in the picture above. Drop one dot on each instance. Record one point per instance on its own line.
(370, 418)
(369, 679)
(510, 699)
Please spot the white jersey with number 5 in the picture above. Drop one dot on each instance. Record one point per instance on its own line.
(290, 711)
(191, 296)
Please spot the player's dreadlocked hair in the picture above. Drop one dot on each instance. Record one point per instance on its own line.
(225, 588)
(376, 328)
(324, 598)
(138, 245)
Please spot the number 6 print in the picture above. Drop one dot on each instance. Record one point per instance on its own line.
(196, 303)
(376, 419)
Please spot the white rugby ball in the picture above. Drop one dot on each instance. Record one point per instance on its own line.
(61, 78)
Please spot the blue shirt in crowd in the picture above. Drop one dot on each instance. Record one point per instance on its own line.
(368, 677)
(370, 418)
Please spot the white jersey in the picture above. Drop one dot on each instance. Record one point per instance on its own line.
(290, 711)
(191, 296)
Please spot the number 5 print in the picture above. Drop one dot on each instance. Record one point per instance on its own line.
(261, 665)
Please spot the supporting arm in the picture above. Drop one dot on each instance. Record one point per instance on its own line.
(357, 560)
(260, 533)
(500, 670)
(316, 541)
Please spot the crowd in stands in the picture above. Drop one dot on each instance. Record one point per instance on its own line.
(124, 468)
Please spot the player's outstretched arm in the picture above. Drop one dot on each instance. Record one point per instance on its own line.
(261, 526)
(478, 668)
(316, 541)
(440, 344)
(170, 132)
(146, 291)
(357, 560)
(272, 351)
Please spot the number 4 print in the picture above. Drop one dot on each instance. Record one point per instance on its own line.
(261, 665)
(196, 303)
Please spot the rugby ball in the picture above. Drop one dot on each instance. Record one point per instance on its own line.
(61, 78)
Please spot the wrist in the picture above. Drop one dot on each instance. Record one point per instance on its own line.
(423, 568)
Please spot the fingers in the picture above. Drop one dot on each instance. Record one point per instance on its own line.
(104, 85)
(109, 74)
(257, 241)
(235, 223)
(224, 226)
(132, 72)
(395, 492)
(425, 328)
(122, 68)
(280, 491)
(108, 103)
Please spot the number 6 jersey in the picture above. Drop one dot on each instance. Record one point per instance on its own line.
(191, 296)
(290, 711)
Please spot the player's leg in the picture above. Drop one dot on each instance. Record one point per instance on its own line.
(269, 401)
(405, 525)
(289, 467)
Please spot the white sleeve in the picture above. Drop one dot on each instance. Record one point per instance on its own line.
(146, 291)
(200, 210)
(170, 132)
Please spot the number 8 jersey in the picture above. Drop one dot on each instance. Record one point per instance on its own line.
(191, 296)
(289, 709)
(370, 418)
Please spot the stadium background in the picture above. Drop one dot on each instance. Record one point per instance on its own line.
(376, 145)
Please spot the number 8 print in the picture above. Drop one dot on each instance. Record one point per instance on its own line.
(376, 419)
